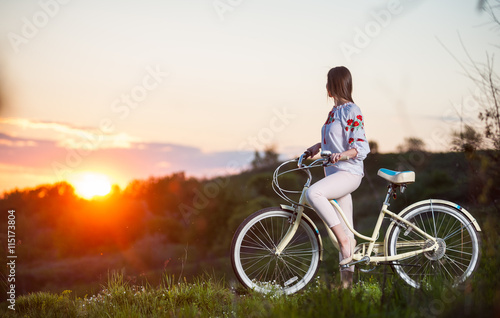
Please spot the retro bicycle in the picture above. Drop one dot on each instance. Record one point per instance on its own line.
(280, 248)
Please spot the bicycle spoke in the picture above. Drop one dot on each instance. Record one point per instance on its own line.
(444, 270)
(266, 270)
(296, 254)
(289, 266)
(423, 224)
(457, 271)
(456, 232)
(262, 236)
(259, 267)
(456, 263)
(443, 220)
(261, 242)
(267, 234)
(254, 257)
(457, 251)
(255, 248)
(455, 254)
(448, 231)
(433, 221)
(250, 240)
(458, 242)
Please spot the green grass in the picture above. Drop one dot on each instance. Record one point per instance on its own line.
(208, 296)
(379, 294)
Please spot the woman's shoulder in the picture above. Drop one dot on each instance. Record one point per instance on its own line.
(351, 108)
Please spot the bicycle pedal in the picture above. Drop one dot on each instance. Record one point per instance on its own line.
(365, 259)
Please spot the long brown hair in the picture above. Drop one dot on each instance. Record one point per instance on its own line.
(339, 84)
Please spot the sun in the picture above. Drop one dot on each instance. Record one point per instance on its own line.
(89, 184)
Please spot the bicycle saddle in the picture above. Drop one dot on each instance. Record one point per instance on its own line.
(397, 177)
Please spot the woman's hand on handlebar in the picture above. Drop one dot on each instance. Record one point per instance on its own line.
(335, 157)
(312, 151)
(346, 155)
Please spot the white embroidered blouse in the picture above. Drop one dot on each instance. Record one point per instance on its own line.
(343, 130)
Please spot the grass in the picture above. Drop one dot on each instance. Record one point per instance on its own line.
(208, 296)
(378, 294)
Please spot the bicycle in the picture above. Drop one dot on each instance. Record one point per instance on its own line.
(280, 248)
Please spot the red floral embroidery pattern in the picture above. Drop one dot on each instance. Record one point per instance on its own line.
(355, 124)
(330, 118)
(328, 121)
(351, 140)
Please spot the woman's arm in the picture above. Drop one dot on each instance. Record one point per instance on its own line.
(314, 149)
(356, 137)
(351, 153)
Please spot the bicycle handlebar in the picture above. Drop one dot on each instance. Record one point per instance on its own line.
(323, 161)
(325, 157)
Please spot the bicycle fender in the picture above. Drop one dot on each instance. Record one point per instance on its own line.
(436, 201)
(315, 228)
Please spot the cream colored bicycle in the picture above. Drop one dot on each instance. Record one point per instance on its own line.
(280, 248)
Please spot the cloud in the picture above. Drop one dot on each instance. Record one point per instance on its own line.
(74, 136)
(39, 124)
(18, 143)
(54, 162)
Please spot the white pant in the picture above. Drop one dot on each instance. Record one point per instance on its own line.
(337, 186)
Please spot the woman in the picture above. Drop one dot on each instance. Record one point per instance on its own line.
(343, 134)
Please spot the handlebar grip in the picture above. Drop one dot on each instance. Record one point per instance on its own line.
(301, 158)
(343, 158)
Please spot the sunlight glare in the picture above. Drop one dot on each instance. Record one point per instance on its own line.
(89, 185)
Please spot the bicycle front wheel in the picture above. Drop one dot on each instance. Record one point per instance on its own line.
(458, 252)
(255, 262)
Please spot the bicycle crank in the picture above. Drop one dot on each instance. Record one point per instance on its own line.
(365, 259)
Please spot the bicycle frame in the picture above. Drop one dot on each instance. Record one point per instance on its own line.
(281, 248)
(364, 255)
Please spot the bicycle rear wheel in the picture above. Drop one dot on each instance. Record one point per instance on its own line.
(459, 246)
(253, 252)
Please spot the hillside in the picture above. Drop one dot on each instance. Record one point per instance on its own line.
(183, 226)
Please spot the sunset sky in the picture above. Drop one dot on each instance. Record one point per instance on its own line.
(133, 89)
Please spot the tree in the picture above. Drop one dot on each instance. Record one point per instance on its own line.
(373, 147)
(487, 98)
(412, 144)
(487, 81)
(489, 84)
(468, 140)
(269, 159)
